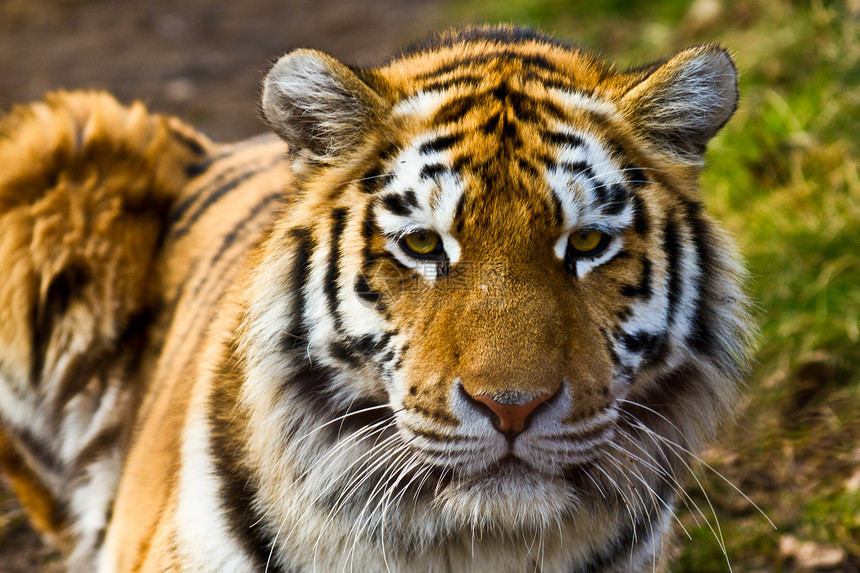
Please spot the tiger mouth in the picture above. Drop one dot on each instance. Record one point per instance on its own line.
(547, 454)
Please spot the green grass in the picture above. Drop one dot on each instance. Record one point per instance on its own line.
(783, 177)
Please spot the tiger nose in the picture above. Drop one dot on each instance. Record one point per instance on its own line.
(512, 411)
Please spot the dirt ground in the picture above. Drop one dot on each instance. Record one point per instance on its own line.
(202, 60)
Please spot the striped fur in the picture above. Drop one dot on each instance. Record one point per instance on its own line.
(224, 358)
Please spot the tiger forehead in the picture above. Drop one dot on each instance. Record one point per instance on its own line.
(476, 60)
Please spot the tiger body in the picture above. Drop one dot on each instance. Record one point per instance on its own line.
(247, 360)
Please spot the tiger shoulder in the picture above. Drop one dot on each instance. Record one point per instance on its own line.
(464, 311)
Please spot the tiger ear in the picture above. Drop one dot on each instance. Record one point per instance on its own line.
(684, 102)
(318, 105)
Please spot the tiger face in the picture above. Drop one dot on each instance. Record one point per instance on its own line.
(475, 319)
(500, 264)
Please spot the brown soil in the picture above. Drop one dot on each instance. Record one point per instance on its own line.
(199, 59)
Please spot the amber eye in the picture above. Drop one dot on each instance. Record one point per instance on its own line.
(587, 242)
(422, 244)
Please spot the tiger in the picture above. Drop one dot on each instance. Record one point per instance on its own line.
(462, 311)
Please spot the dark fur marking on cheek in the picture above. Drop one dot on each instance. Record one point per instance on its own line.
(356, 351)
(609, 344)
(330, 286)
(701, 338)
(672, 248)
(643, 289)
(640, 342)
(299, 275)
(364, 291)
(315, 391)
(238, 489)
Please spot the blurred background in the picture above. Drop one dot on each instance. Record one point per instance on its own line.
(782, 176)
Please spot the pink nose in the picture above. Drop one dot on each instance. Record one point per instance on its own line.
(512, 417)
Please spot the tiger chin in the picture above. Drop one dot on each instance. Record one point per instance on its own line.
(465, 313)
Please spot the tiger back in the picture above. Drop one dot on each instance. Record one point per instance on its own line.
(468, 315)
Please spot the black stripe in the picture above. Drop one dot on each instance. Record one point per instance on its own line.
(178, 231)
(672, 248)
(640, 342)
(462, 81)
(193, 145)
(314, 389)
(356, 350)
(701, 338)
(527, 167)
(636, 176)
(455, 110)
(619, 550)
(458, 212)
(397, 204)
(557, 209)
(299, 275)
(338, 217)
(491, 124)
(528, 60)
(433, 170)
(103, 443)
(441, 143)
(643, 289)
(410, 198)
(374, 179)
(364, 291)
(178, 210)
(617, 197)
(600, 192)
(641, 223)
(238, 487)
(40, 451)
(567, 139)
(229, 238)
(578, 168)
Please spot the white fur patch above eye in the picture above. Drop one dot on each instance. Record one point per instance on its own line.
(579, 100)
(581, 170)
(437, 191)
(421, 104)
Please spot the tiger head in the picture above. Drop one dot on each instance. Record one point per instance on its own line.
(498, 266)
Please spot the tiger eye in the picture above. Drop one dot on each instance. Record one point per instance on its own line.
(585, 241)
(422, 243)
